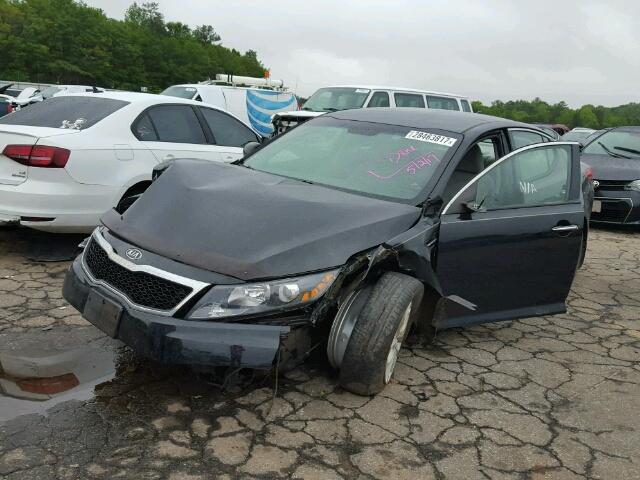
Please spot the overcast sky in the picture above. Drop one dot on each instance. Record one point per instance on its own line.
(582, 51)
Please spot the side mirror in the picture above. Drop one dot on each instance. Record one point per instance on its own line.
(250, 148)
(473, 207)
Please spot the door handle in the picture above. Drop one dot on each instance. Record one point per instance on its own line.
(168, 157)
(565, 228)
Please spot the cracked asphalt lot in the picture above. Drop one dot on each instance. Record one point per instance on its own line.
(541, 398)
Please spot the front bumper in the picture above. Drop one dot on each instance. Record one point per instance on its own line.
(620, 207)
(173, 340)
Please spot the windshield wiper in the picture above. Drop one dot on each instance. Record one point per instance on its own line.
(307, 109)
(330, 109)
(630, 150)
(613, 154)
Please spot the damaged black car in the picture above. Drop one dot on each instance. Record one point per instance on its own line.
(345, 233)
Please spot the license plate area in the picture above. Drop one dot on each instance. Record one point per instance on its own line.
(103, 313)
(597, 206)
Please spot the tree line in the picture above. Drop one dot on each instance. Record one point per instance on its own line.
(539, 111)
(66, 41)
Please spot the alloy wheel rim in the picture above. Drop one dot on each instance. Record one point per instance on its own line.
(396, 344)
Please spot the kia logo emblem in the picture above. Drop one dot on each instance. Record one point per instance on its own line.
(133, 254)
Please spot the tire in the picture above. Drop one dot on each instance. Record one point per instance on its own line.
(382, 325)
(125, 203)
(130, 196)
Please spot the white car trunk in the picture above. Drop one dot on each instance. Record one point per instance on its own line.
(12, 172)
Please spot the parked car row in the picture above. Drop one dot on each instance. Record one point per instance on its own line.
(23, 97)
(348, 230)
(20, 97)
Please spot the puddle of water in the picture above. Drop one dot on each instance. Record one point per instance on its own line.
(35, 383)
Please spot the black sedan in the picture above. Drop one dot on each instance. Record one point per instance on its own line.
(614, 157)
(346, 232)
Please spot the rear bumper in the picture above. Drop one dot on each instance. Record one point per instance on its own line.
(618, 207)
(70, 206)
(173, 340)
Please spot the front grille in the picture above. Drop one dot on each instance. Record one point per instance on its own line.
(140, 288)
(612, 184)
(612, 211)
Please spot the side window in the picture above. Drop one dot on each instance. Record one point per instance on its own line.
(227, 131)
(465, 106)
(379, 99)
(143, 129)
(535, 177)
(408, 100)
(177, 124)
(522, 138)
(442, 103)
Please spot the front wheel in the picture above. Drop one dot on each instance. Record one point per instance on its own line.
(384, 321)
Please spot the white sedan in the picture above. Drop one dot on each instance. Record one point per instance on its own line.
(66, 161)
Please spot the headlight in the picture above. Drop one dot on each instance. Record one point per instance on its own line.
(252, 298)
(635, 186)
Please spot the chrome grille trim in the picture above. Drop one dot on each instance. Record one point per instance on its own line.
(195, 285)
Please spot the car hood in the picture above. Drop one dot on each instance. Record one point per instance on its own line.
(253, 225)
(605, 167)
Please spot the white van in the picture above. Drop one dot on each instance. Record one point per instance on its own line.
(345, 97)
(255, 106)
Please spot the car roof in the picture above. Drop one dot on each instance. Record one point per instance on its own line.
(629, 128)
(400, 89)
(139, 98)
(236, 87)
(149, 99)
(453, 121)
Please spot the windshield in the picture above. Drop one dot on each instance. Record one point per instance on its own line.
(616, 143)
(181, 92)
(336, 98)
(50, 92)
(76, 113)
(385, 161)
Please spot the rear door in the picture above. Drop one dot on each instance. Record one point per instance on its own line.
(510, 241)
(229, 134)
(175, 131)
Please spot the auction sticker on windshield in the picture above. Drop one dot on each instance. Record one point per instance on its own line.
(431, 138)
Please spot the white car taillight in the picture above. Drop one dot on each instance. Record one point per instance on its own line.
(38, 155)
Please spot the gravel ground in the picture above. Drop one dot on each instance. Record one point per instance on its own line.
(543, 398)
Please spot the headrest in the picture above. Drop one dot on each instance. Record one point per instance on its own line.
(472, 162)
